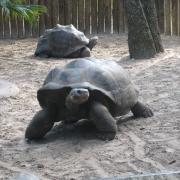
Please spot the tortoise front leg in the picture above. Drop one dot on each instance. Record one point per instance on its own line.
(40, 125)
(103, 120)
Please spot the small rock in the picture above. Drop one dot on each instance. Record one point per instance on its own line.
(116, 137)
(172, 162)
(40, 166)
(164, 151)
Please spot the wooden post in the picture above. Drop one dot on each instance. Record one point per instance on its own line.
(125, 25)
(47, 17)
(61, 12)
(87, 16)
(20, 24)
(119, 20)
(35, 30)
(107, 15)
(41, 20)
(74, 13)
(1, 24)
(178, 18)
(115, 16)
(167, 17)
(121, 16)
(174, 17)
(68, 12)
(51, 9)
(81, 15)
(160, 14)
(13, 23)
(100, 16)
(6, 26)
(27, 26)
(170, 17)
(35, 27)
(94, 16)
(41, 25)
(55, 12)
(27, 29)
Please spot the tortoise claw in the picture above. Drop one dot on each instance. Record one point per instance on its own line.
(147, 113)
(106, 136)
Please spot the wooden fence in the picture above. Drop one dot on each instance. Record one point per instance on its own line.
(89, 16)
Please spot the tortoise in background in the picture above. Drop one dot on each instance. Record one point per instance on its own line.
(86, 88)
(64, 42)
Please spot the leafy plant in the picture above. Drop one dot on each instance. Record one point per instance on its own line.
(18, 8)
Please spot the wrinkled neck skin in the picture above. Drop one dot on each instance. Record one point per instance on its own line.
(73, 111)
(72, 107)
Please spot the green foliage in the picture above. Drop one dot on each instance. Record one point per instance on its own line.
(17, 8)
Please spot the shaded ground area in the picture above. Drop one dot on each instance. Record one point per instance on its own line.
(142, 145)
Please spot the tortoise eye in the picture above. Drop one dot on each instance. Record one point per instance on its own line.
(79, 91)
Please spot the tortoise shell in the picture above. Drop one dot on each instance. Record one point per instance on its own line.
(61, 41)
(105, 80)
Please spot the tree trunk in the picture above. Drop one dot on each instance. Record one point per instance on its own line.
(143, 32)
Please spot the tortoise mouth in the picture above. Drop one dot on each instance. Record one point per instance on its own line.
(79, 95)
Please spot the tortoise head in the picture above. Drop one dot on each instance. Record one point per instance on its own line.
(92, 42)
(78, 95)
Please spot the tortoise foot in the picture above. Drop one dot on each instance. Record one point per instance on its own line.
(39, 126)
(106, 136)
(140, 110)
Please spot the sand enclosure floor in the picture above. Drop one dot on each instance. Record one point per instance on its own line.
(73, 152)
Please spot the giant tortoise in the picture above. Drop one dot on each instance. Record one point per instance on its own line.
(86, 88)
(64, 42)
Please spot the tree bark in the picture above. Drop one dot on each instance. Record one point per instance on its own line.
(144, 39)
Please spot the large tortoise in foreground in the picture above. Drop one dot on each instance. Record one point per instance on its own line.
(64, 42)
(86, 88)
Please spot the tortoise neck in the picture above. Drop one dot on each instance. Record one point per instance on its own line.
(74, 107)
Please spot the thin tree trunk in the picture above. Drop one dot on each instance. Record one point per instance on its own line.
(151, 16)
(143, 33)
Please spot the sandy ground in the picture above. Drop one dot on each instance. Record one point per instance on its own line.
(73, 152)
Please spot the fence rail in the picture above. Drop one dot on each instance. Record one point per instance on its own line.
(89, 16)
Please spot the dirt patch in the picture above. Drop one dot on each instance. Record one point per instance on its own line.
(142, 145)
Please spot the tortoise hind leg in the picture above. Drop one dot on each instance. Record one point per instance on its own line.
(104, 122)
(39, 126)
(140, 110)
(84, 52)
